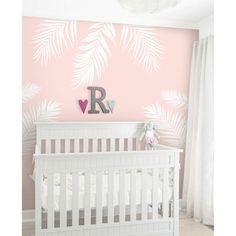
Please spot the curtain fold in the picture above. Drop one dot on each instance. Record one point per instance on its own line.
(199, 156)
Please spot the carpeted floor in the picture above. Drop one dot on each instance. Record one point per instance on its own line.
(188, 227)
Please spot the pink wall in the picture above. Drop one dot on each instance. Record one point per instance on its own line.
(49, 71)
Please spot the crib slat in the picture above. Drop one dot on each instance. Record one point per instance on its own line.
(85, 145)
(133, 195)
(99, 187)
(138, 145)
(38, 212)
(155, 176)
(75, 197)
(48, 146)
(57, 145)
(165, 192)
(95, 145)
(104, 145)
(176, 191)
(40, 146)
(121, 144)
(112, 144)
(130, 144)
(144, 194)
(67, 145)
(110, 196)
(63, 200)
(122, 196)
(50, 202)
(76, 145)
(87, 210)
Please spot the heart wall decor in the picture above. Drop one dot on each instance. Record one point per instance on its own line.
(97, 97)
(111, 104)
(83, 104)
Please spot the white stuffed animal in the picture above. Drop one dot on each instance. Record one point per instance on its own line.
(149, 134)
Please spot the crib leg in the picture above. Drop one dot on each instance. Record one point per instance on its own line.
(38, 212)
(176, 195)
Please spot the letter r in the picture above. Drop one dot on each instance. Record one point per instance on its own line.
(97, 100)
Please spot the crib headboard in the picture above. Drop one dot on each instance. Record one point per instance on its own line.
(60, 137)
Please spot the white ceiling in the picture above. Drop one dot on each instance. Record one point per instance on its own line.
(185, 15)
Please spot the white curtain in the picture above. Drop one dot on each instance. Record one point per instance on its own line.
(199, 163)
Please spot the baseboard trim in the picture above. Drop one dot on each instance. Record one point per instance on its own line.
(28, 216)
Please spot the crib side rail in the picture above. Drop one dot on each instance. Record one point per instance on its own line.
(154, 161)
(109, 160)
(77, 137)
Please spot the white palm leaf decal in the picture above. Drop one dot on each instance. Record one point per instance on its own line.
(93, 54)
(143, 44)
(175, 98)
(46, 111)
(29, 91)
(171, 125)
(52, 38)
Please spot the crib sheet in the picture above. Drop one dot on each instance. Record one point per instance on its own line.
(104, 192)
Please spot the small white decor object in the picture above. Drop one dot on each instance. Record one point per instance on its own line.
(147, 6)
(94, 178)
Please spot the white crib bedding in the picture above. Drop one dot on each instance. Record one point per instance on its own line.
(104, 192)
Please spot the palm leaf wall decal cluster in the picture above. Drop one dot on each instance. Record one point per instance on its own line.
(46, 111)
(52, 37)
(175, 98)
(171, 125)
(29, 91)
(144, 46)
(93, 54)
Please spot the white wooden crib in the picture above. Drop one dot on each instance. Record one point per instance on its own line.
(95, 178)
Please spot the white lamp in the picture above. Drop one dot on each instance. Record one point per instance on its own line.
(147, 6)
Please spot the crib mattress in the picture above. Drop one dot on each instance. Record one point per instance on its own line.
(104, 191)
